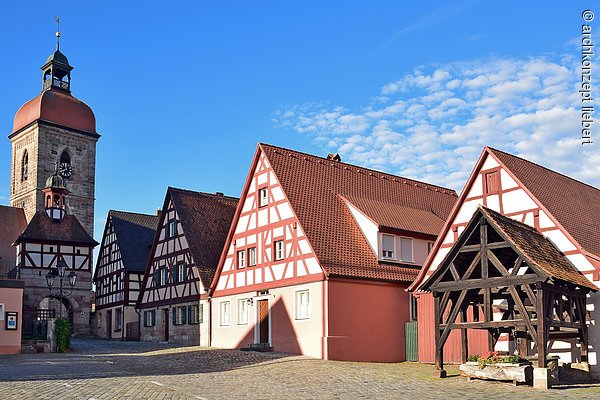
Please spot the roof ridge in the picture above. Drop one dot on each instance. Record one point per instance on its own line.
(451, 193)
(132, 212)
(207, 194)
(542, 167)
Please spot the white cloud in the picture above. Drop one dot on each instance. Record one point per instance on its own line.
(432, 124)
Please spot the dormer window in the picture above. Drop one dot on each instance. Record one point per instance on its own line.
(388, 246)
(262, 197)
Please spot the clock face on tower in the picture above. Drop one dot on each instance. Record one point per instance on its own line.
(65, 170)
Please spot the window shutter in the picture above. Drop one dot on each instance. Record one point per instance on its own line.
(189, 312)
(407, 250)
(200, 311)
(153, 315)
(183, 315)
(175, 276)
(174, 315)
(145, 318)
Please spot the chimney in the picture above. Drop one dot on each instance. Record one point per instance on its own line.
(219, 194)
(158, 212)
(334, 157)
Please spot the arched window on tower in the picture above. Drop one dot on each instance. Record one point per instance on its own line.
(24, 166)
(65, 167)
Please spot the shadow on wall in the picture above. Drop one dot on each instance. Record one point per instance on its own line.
(284, 337)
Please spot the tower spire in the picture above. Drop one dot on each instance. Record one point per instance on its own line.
(57, 32)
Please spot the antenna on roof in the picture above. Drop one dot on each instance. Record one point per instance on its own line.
(57, 19)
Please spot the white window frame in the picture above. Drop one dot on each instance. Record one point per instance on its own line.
(243, 312)
(303, 310)
(241, 258)
(278, 250)
(412, 250)
(251, 256)
(173, 228)
(383, 250)
(225, 313)
(163, 275)
(263, 197)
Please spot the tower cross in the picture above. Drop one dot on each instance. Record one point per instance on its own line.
(57, 32)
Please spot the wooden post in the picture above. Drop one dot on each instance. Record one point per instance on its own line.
(463, 337)
(584, 331)
(439, 347)
(542, 325)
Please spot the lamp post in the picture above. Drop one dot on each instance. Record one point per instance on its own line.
(61, 268)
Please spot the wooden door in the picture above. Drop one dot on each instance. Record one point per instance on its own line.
(109, 324)
(263, 315)
(166, 311)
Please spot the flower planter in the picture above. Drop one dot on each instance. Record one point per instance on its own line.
(517, 373)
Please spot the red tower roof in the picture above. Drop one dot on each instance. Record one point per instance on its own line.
(58, 107)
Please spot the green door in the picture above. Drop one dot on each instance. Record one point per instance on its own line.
(410, 332)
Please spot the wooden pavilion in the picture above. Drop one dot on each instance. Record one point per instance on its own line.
(502, 264)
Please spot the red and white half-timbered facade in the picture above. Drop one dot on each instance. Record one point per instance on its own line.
(303, 269)
(119, 271)
(184, 254)
(564, 210)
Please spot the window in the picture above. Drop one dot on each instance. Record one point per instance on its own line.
(150, 318)
(165, 276)
(182, 272)
(242, 312)
(406, 248)
(118, 319)
(25, 166)
(195, 314)
(262, 197)
(173, 228)
(413, 307)
(491, 182)
(241, 259)
(162, 272)
(167, 231)
(388, 246)
(279, 250)
(225, 313)
(251, 256)
(179, 315)
(156, 277)
(302, 304)
(429, 247)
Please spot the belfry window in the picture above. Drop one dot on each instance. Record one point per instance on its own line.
(25, 167)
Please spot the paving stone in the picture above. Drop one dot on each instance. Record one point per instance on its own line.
(101, 369)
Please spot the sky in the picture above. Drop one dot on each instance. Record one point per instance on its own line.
(184, 91)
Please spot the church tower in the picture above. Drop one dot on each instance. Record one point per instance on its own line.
(54, 127)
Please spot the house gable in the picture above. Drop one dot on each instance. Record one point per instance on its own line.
(263, 218)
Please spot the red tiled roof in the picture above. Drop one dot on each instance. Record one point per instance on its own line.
(12, 223)
(575, 205)
(205, 219)
(399, 217)
(43, 229)
(313, 185)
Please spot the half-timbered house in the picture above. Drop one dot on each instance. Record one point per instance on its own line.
(119, 271)
(185, 252)
(53, 235)
(562, 209)
(319, 256)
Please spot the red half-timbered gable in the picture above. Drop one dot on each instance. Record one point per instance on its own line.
(268, 247)
(562, 209)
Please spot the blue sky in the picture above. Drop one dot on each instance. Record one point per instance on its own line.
(182, 93)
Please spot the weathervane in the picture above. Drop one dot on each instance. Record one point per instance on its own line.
(57, 33)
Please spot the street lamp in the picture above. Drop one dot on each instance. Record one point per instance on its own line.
(61, 268)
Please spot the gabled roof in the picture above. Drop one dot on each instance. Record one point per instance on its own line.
(41, 228)
(12, 223)
(315, 188)
(537, 251)
(134, 233)
(205, 219)
(574, 204)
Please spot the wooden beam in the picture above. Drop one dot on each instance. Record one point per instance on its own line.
(487, 283)
(542, 327)
(484, 246)
(463, 336)
(517, 265)
(452, 316)
(476, 247)
(497, 263)
(523, 312)
(439, 345)
(488, 325)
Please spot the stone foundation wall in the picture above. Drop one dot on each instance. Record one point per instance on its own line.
(187, 334)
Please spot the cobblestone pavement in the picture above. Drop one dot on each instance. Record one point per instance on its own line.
(100, 369)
